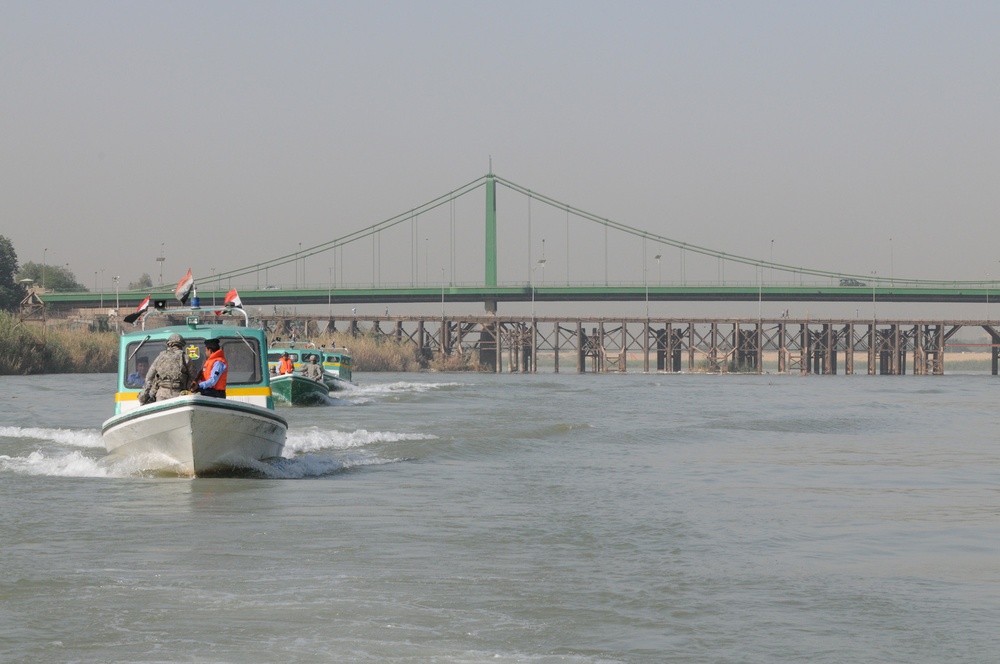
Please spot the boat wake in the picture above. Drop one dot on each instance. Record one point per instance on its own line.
(85, 438)
(55, 452)
(393, 391)
(73, 464)
(308, 453)
(314, 439)
(315, 452)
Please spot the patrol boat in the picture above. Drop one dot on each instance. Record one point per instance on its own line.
(337, 368)
(193, 434)
(299, 389)
(296, 389)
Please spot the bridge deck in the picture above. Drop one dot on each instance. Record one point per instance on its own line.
(545, 293)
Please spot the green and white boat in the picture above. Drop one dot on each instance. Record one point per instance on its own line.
(337, 364)
(295, 389)
(194, 434)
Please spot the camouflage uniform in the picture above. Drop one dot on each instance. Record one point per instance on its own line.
(170, 374)
(313, 370)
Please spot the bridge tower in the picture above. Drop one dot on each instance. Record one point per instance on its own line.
(491, 239)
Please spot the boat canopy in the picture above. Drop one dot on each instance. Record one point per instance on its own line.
(243, 347)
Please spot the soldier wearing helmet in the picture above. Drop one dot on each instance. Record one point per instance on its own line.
(170, 374)
(313, 369)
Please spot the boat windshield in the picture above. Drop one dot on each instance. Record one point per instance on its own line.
(293, 356)
(241, 355)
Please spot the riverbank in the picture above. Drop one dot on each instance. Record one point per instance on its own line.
(29, 349)
(32, 348)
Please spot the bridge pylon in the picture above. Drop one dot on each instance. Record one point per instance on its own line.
(491, 239)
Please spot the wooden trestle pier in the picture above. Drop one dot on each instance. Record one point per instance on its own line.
(602, 345)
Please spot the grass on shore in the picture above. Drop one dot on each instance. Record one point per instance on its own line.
(375, 352)
(29, 348)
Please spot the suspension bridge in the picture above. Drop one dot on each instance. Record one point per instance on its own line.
(439, 252)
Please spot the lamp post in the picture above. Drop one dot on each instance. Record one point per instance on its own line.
(533, 293)
(645, 283)
(541, 264)
(760, 292)
(659, 274)
(892, 272)
(160, 259)
(44, 251)
(772, 260)
(543, 261)
(442, 293)
(116, 279)
(567, 246)
(874, 274)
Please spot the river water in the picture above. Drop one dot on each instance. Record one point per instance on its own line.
(521, 518)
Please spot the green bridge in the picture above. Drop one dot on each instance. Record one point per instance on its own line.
(527, 294)
(646, 254)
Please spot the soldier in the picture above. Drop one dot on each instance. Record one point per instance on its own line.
(170, 374)
(313, 370)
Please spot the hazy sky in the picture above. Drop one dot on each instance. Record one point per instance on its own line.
(856, 136)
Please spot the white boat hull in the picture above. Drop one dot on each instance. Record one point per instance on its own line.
(196, 435)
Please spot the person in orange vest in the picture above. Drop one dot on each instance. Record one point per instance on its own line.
(211, 381)
(285, 365)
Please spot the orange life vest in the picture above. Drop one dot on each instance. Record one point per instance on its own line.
(285, 366)
(206, 371)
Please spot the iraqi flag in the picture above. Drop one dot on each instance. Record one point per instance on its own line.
(140, 310)
(232, 300)
(184, 288)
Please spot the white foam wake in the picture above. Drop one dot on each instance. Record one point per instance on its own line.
(315, 439)
(80, 438)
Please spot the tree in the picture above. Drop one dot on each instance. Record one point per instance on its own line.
(53, 277)
(10, 293)
(145, 281)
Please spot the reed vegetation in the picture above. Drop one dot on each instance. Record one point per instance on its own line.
(376, 352)
(29, 348)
